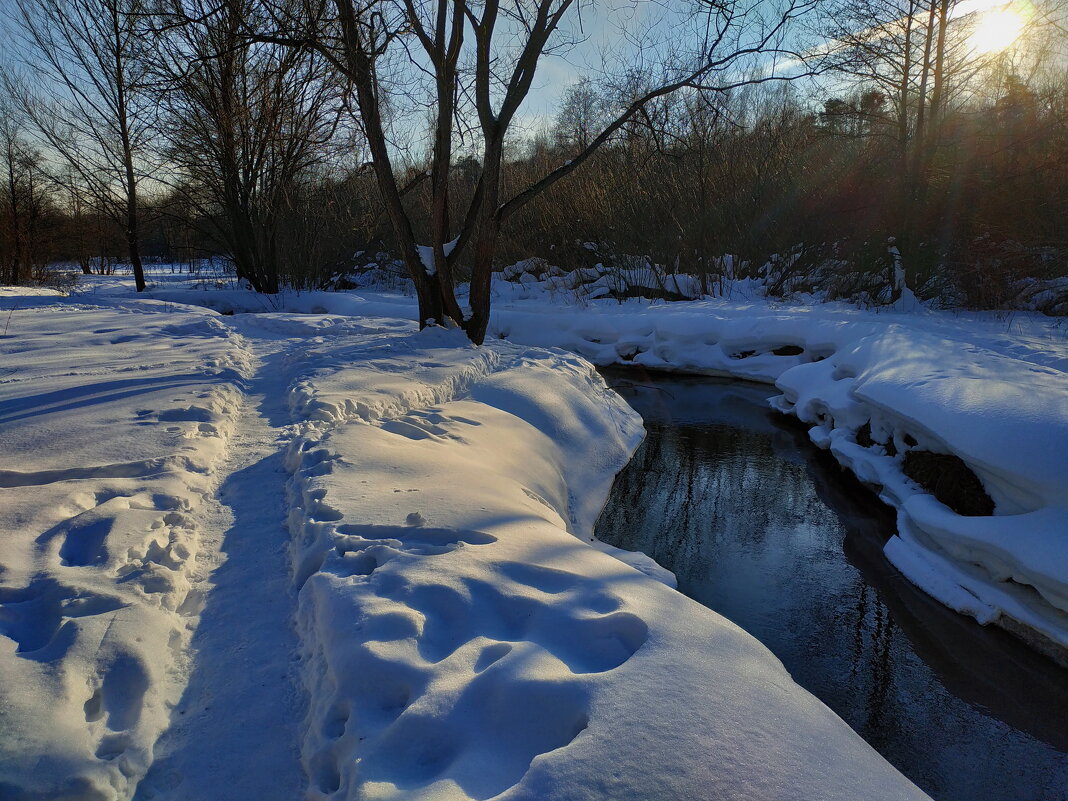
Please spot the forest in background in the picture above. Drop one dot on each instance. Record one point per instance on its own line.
(224, 146)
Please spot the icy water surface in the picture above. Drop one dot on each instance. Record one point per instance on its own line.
(764, 528)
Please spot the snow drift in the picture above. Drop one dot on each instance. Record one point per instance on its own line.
(967, 387)
(461, 636)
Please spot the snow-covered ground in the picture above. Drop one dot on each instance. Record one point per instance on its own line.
(991, 389)
(112, 421)
(178, 486)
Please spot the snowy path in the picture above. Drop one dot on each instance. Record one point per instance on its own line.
(236, 728)
(459, 635)
(112, 419)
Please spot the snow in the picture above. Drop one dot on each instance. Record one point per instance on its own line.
(426, 254)
(459, 635)
(989, 390)
(112, 420)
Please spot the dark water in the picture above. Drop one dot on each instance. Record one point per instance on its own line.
(761, 526)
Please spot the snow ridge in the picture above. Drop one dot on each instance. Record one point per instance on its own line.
(462, 639)
(996, 401)
(384, 646)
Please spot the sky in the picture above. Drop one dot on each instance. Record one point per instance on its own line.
(610, 37)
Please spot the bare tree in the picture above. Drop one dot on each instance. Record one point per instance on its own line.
(918, 54)
(478, 61)
(86, 101)
(243, 122)
(15, 158)
(28, 211)
(580, 116)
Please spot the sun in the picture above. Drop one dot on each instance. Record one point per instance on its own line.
(996, 30)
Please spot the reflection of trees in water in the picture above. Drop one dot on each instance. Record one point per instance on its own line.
(743, 516)
(873, 644)
(980, 665)
(693, 492)
(701, 482)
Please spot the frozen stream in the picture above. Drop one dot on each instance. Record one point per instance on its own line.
(764, 528)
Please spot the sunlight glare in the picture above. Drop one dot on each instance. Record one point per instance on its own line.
(996, 31)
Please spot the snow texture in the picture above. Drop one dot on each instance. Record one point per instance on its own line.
(989, 388)
(426, 255)
(112, 419)
(460, 637)
(991, 391)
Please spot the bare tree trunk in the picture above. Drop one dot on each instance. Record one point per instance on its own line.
(360, 68)
(904, 188)
(916, 171)
(927, 133)
(123, 119)
(445, 52)
(938, 87)
(16, 217)
(903, 89)
(487, 230)
(132, 238)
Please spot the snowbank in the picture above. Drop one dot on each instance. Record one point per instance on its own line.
(464, 641)
(986, 388)
(461, 636)
(967, 385)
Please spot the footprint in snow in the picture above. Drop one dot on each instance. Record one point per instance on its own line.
(37, 616)
(414, 537)
(119, 696)
(584, 642)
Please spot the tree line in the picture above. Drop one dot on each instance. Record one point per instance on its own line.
(284, 136)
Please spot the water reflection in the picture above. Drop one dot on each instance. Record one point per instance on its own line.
(761, 526)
